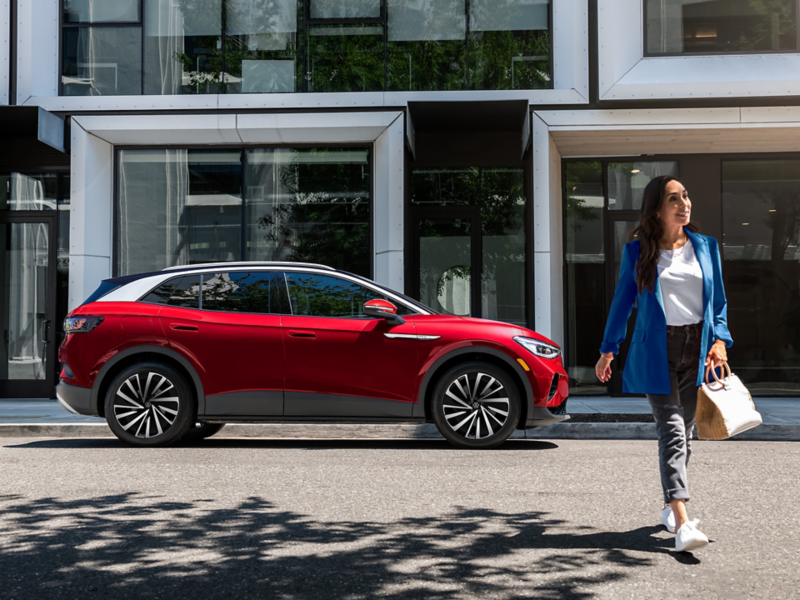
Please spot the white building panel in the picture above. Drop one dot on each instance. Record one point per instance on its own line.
(5, 40)
(37, 48)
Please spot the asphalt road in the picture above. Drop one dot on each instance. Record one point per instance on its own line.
(365, 519)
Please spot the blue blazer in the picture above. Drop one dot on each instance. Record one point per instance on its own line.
(646, 368)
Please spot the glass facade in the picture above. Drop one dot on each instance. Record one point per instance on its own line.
(761, 252)
(187, 206)
(129, 47)
(447, 272)
(720, 26)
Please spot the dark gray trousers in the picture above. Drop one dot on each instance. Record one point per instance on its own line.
(675, 412)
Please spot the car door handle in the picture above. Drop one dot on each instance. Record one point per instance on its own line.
(177, 327)
(302, 334)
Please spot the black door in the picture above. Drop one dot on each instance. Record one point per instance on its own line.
(619, 225)
(447, 259)
(27, 304)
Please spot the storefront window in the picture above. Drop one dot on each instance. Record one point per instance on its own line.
(28, 191)
(309, 205)
(101, 61)
(627, 180)
(180, 207)
(761, 251)
(720, 26)
(345, 59)
(585, 260)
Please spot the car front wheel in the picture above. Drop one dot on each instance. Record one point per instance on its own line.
(149, 404)
(476, 405)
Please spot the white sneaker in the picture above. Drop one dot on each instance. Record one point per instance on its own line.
(668, 518)
(689, 538)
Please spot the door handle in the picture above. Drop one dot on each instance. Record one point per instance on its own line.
(43, 331)
(177, 327)
(302, 334)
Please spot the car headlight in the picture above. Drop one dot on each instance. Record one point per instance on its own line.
(81, 324)
(539, 348)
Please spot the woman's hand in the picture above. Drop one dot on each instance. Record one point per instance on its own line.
(717, 356)
(603, 367)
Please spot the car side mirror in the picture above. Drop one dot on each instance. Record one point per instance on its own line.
(383, 309)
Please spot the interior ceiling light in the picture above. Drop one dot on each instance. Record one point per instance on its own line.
(745, 223)
(635, 171)
(773, 210)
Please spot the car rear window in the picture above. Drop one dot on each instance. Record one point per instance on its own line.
(246, 291)
(183, 291)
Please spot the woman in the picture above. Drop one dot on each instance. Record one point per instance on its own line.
(674, 276)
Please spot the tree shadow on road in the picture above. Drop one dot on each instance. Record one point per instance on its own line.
(132, 545)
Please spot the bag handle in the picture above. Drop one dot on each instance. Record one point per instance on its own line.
(714, 372)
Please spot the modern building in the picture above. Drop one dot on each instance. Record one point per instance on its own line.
(484, 156)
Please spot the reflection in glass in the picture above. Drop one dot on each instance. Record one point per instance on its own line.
(246, 291)
(761, 251)
(503, 245)
(37, 191)
(309, 205)
(445, 186)
(101, 11)
(345, 59)
(626, 181)
(24, 248)
(509, 44)
(101, 61)
(180, 291)
(351, 9)
(260, 46)
(178, 207)
(692, 26)
(426, 48)
(445, 250)
(183, 46)
(326, 296)
(585, 258)
(62, 257)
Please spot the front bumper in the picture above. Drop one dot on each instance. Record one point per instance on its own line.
(75, 399)
(543, 415)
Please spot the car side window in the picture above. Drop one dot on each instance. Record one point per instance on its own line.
(326, 296)
(181, 291)
(246, 291)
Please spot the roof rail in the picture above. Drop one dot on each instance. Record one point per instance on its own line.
(249, 263)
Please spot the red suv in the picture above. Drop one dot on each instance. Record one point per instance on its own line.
(179, 353)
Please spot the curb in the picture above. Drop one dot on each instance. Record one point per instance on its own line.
(559, 431)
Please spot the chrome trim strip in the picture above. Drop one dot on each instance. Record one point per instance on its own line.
(411, 336)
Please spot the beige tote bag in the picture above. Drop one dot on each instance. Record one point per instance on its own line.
(724, 407)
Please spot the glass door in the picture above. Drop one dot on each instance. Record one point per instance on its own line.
(27, 305)
(447, 259)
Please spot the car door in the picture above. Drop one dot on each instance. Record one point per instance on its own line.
(340, 362)
(234, 336)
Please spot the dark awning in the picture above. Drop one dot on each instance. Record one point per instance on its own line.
(31, 124)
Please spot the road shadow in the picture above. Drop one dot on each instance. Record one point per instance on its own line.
(327, 444)
(137, 546)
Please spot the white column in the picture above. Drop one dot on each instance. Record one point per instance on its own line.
(5, 41)
(547, 235)
(37, 48)
(91, 210)
(387, 205)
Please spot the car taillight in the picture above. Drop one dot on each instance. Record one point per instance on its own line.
(81, 324)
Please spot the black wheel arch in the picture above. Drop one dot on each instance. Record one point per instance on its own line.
(137, 354)
(422, 408)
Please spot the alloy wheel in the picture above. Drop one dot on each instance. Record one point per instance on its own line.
(476, 405)
(146, 405)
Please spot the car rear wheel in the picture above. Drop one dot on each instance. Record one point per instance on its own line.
(476, 405)
(149, 404)
(201, 431)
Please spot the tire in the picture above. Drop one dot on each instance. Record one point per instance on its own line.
(469, 402)
(149, 404)
(201, 431)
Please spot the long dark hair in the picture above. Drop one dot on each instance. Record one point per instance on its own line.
(649, 232)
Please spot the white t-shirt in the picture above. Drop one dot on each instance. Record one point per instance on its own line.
(681, 280)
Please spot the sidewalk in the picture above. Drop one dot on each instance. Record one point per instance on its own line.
(46, 418)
